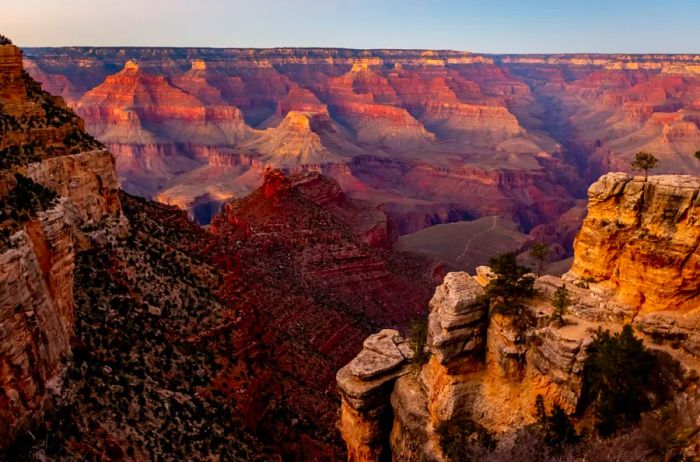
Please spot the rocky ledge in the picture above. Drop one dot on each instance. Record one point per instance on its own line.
(365, 384)
(636, 262)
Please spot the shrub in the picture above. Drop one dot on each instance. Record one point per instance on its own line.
(418, 340)
(539, 252)
(560, 302)
(556, 428)
(462, 440)
(616, 378)
(21, 204)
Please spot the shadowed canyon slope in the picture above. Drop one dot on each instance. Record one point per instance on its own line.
(436, 136)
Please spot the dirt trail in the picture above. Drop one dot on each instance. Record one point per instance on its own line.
(466, 246)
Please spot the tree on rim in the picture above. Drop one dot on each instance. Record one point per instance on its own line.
(644, 161)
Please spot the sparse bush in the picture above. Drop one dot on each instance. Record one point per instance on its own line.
(556, 428)
(539, 252)
(418, 340)
(464, 440)
(21, 204)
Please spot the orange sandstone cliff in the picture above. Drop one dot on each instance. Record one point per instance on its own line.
(635, 262)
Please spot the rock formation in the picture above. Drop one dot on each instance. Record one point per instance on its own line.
(640, 240)
(445, 128)
(43, 148)
(634, 263)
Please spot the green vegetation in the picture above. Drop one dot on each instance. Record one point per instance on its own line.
(511, 286)
(4, 40)
(560, 302)
(418, 340)
(616, 378)
(539, 252)
(464, 440)
(33, 142)
(21, 204)
(142, 374)
(644, 161)
(556, 428)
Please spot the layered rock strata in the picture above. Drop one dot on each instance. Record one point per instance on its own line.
(365, 385)
(640, 240)
(634, 263)
(43, 142)
(36, 317)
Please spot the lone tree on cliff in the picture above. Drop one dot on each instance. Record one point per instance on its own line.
(644, 161)
(560, 302)
(4, 40)
(539, 252)
(511, 285)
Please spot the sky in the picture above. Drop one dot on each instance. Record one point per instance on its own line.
(486, 26)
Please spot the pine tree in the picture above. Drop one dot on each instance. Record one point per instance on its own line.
(616, 377)
(511, 285)
(560, 302)
(418, 340)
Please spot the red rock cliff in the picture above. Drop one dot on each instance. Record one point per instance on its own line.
(43, 141)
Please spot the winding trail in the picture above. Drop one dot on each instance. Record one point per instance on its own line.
(494, 219)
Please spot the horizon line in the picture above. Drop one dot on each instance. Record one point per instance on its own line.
(450, 50)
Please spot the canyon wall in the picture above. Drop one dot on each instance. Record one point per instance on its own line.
(639, 243)
(39, 249)
(532, 131)
(635, 263)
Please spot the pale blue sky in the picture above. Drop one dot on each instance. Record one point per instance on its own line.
(489, 26)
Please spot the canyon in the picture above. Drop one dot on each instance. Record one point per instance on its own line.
(434, 136)
(40, 151)
(130, 332)
(225, 340)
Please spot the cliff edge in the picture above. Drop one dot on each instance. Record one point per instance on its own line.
(636, 263)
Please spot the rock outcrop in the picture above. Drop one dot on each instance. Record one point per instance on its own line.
(640, 240)
(36, 318)
(365, 385)
(635, 262)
